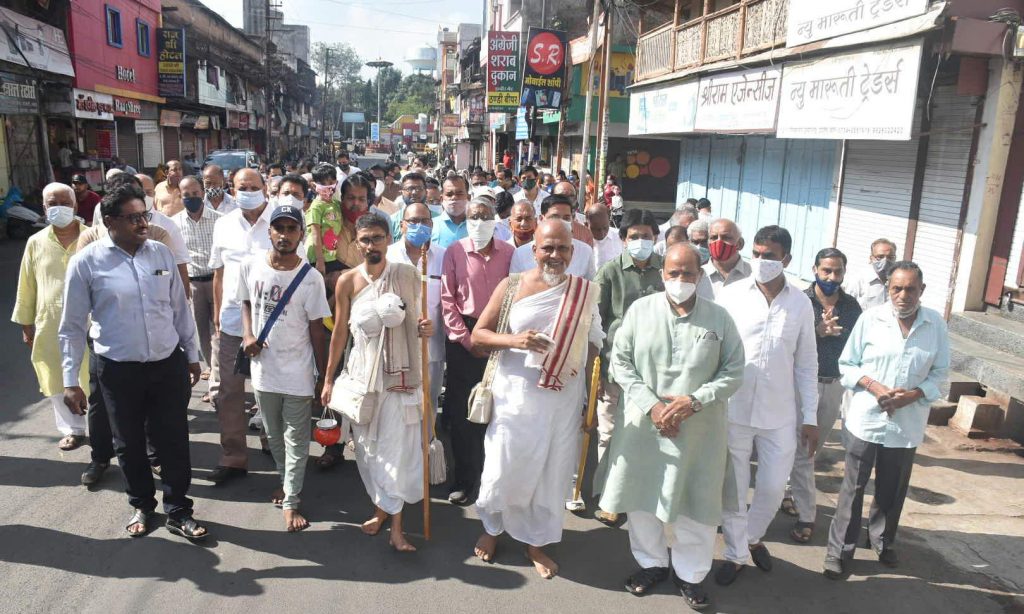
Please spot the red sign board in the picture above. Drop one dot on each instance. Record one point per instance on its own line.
(544, 75)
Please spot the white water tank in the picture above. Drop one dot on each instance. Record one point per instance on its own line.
(422, 58)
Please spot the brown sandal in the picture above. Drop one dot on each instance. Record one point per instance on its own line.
(788, 507)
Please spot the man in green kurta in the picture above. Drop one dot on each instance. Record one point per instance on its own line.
(677, 358)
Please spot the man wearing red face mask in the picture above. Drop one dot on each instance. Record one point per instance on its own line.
(726, 265)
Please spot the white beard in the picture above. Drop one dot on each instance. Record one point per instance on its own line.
(552, 278)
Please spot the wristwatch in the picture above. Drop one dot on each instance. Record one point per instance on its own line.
(695, 404)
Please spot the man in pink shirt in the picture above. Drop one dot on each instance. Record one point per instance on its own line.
(472, 269)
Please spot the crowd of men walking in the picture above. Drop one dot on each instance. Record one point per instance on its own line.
(491, 295)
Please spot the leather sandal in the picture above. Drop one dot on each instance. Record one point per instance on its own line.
(802, 532)
(138, 517)
(641, 582)
(187, 528)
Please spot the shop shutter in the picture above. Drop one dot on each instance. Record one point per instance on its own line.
(152, 150)
(171, 151)
(23, 151)
(876, 195)
(942, 193)
(128, 142)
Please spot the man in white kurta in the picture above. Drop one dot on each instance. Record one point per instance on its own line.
(532, 441)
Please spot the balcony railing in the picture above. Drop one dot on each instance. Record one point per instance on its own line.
(745, 28)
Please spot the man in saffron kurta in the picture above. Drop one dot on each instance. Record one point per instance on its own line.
(532, 441)
(678, 358)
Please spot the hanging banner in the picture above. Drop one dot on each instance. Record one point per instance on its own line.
(864, 95)
(544, 74)
(502, 71)
(666, 110)
(171, 61)
(746, 101)
(814, 20)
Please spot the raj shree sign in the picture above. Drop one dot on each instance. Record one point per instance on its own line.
(502, 71)
(544, 75)
(171, 61)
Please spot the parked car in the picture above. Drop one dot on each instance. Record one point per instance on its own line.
(230, 160)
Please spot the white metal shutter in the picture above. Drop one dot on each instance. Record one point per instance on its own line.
(1013, 264)
(152, 149)
(127, 142)
(942, 193)
(876, 195)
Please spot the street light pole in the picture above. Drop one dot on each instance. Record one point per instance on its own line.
(379, 64)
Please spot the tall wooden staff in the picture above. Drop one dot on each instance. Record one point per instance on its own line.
(428, 413)
(577, 504)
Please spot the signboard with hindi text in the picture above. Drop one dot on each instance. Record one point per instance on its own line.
(746, 101)
(665, 110)
(814, 20)
(865, 95)
(170, 44)
(502, 71)
(544, 74)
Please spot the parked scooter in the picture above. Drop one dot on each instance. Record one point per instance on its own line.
(21, 220)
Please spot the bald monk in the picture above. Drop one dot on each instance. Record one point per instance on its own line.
(531, 444)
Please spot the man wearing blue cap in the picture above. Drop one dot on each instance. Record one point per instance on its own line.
(283, 306)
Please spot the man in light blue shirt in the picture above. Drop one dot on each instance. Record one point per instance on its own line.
(147, 348)
(895, 360)
(450, 226)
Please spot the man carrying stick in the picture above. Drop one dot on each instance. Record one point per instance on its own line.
(381, 298)
(678, 358)
(554, 331)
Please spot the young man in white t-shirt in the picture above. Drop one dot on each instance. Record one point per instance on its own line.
(283, 373)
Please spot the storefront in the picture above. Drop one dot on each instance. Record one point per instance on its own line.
(96, 131)
(19, 132)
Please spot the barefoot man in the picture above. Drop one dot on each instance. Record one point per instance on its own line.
(382, 298)
(281, 373)
(553, 334)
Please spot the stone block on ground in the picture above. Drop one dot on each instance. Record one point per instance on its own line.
(974, 413)
(941, 412)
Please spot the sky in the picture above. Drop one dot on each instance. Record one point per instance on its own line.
(375, 28)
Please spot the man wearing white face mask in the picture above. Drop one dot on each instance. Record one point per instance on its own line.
(558, 207)
(780, 382)
(678, 358)
(633, 274)
(242, 233)
(37, 305)
(472, 269)
(450, 226)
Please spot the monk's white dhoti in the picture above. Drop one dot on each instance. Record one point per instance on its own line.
(532, 443)
(388, 452)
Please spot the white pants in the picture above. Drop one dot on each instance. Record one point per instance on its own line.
(775, 449)
(692, 544)
(67, 422)
(606, 404)
(801, 479)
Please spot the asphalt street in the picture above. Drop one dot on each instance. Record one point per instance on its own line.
(63, 548)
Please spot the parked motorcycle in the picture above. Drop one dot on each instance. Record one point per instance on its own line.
(21, 220)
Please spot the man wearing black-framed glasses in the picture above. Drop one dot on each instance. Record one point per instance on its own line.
(147, 351)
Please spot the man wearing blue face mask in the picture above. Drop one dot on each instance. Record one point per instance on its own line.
(635, 273)
(417, 226)
(835, 313)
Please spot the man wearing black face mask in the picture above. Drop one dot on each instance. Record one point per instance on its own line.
(196, 223)
(835, 313)
(345, 168)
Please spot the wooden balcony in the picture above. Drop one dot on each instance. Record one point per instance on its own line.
(745, 28)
